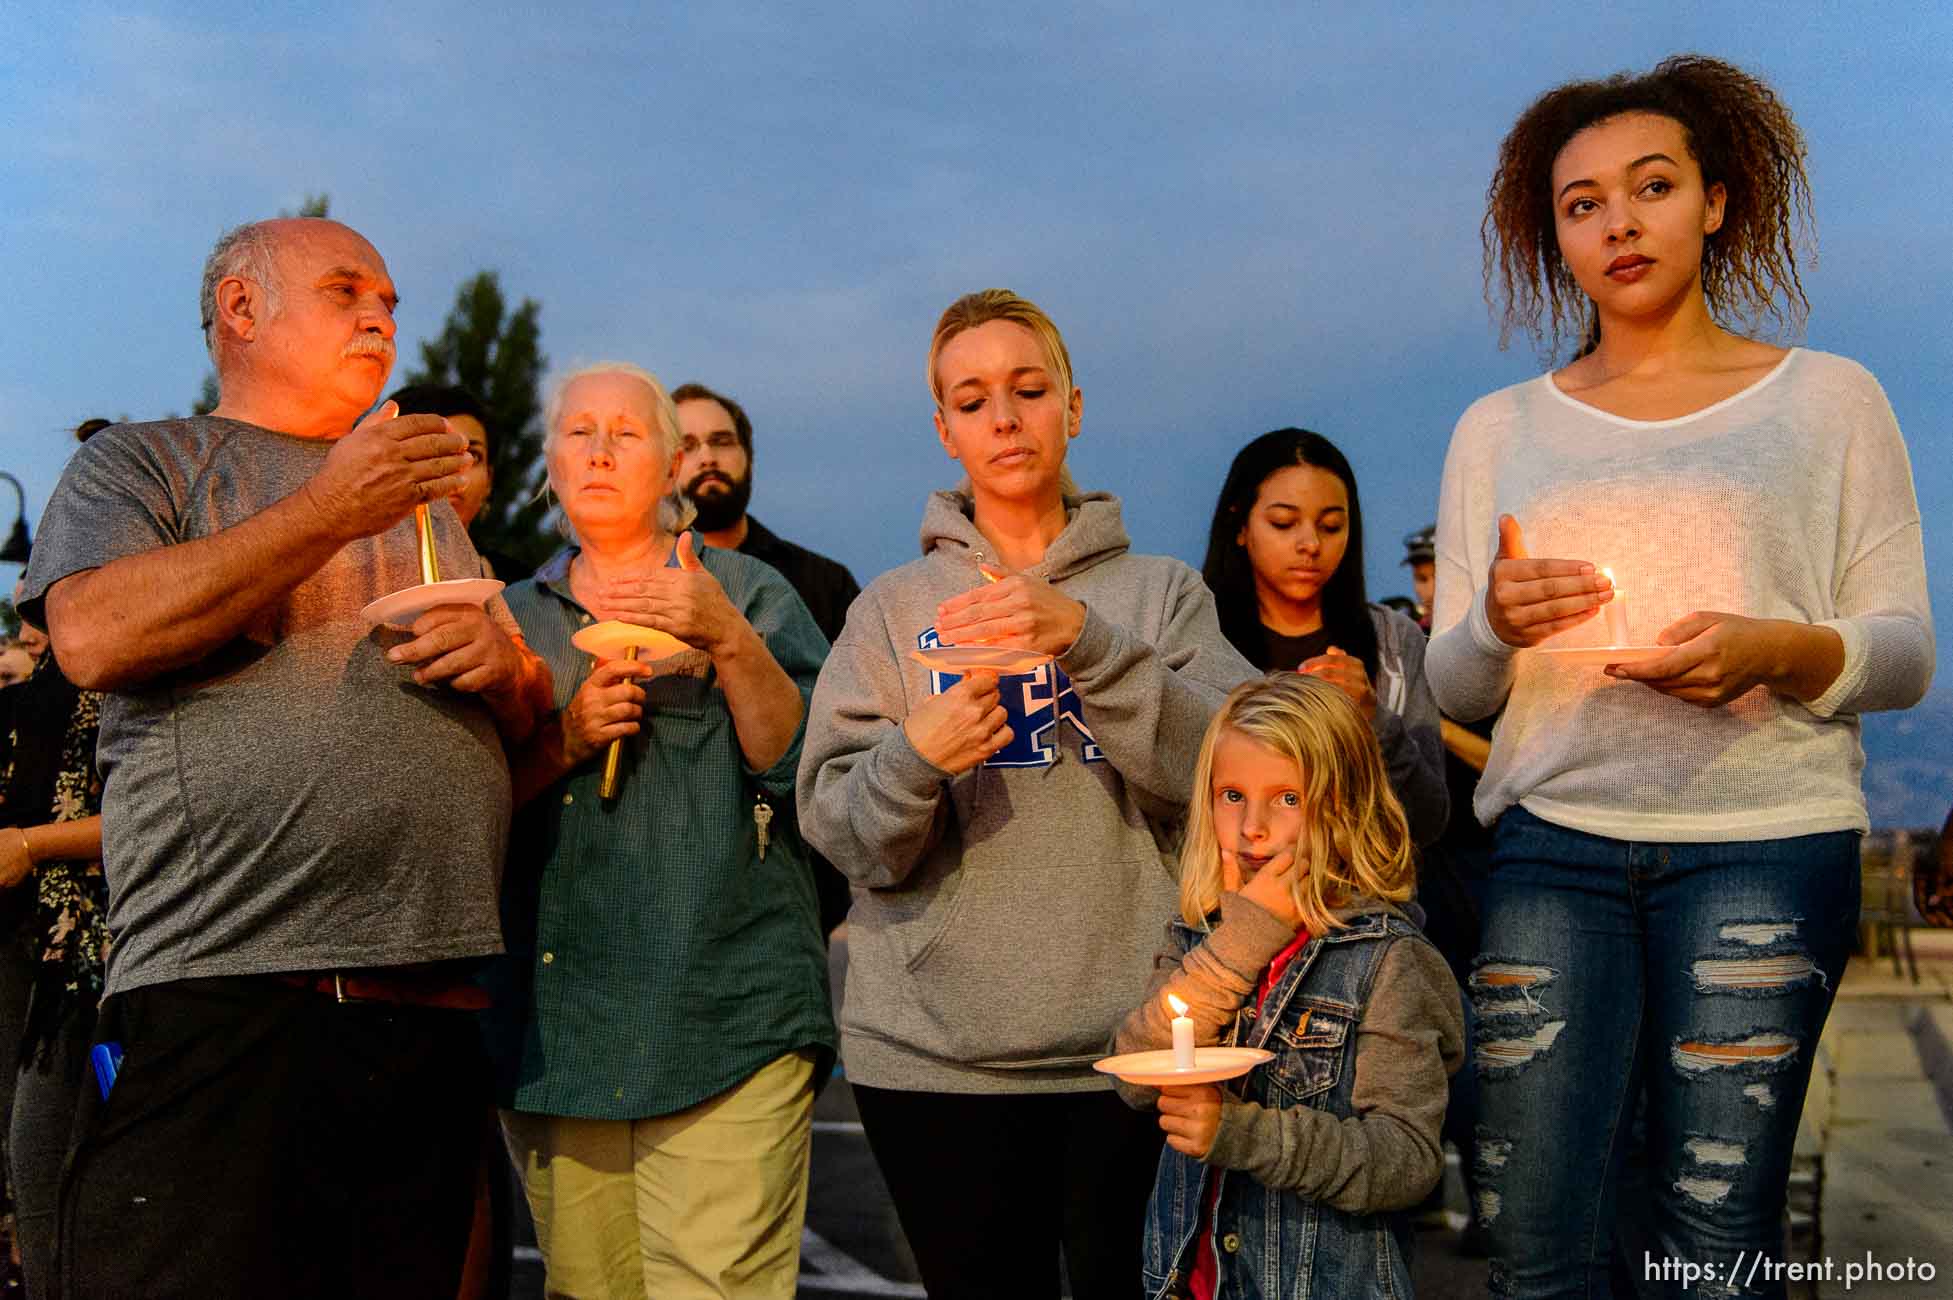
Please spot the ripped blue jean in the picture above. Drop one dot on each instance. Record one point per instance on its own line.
(1703, 972)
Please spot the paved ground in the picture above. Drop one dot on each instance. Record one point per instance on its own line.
(1881, 1118)
(1874, 1187)
(853, 1247)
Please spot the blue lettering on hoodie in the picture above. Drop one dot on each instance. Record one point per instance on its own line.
(1026, 699)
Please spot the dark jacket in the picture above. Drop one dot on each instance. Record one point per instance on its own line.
(827, 588)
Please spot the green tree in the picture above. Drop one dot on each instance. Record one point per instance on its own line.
(496, 354)
(206, 399)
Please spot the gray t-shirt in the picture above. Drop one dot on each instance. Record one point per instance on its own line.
(293, 801)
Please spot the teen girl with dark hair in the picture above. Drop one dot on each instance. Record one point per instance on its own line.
(1285, 563)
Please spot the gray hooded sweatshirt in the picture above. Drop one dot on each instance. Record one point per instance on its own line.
(1004, 920)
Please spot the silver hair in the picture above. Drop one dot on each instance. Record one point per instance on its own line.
(250, 251)
(675, 511)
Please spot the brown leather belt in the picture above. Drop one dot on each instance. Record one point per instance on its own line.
(403, 987)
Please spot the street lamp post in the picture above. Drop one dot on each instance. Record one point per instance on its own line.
(17, 547)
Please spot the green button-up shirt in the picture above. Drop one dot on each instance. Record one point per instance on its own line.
(654, 958)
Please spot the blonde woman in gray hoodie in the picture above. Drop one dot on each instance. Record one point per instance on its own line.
(1010, 839)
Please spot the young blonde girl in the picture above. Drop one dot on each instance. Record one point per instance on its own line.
(1291, 937)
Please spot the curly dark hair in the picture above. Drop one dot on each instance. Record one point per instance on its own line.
(1741, 135)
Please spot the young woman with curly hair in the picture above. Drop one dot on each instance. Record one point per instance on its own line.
(1674, 885)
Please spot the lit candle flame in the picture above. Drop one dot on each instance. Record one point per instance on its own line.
(1183, 1035)
(1617, 624)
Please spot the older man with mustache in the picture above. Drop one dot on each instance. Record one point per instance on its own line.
(304, 816)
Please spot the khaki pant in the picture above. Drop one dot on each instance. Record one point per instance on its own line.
(706, 1202)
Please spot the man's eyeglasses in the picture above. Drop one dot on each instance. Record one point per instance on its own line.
(723, 441)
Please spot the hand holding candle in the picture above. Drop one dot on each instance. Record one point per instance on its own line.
(1711, 657)
(1015, 610)
(1183, 1034)
(1528, 600)
(406, 606)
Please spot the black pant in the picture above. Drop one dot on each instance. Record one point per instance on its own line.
(18, 962)
(44, 1117)
(988, 1187)
(264, 1140)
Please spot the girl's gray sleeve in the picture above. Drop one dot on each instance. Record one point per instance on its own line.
(1388, 1155)
(1213, 978)
(1148, 705)
(868, 801)
(1413, 748)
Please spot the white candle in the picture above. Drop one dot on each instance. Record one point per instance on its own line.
(1617, 624)
(1183, 1035)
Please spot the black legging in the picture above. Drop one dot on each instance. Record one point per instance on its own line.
(43, 1117)
(988, 1187)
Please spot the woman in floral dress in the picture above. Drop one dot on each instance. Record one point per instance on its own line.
(51, 845)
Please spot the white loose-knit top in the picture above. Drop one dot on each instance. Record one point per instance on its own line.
(1792, 499)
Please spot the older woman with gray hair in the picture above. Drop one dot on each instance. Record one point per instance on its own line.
(662, 1016)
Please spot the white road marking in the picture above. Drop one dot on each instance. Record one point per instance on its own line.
(833, 1270)
(851, 1127)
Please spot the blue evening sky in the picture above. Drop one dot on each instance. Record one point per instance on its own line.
(1242, 217)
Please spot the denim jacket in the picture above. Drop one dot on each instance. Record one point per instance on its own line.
(1310, 1205)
